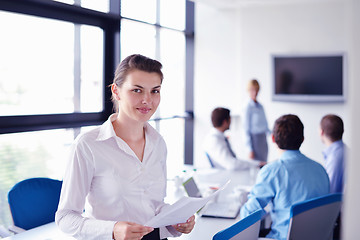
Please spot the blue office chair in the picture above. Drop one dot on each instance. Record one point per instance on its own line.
(210, 161)
(314, 219)
(247, 228)
(33, 202)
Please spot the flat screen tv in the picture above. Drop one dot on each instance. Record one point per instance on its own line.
(309, 78)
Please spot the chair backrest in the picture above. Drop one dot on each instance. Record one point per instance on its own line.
(247, 228)
(210, 161)
(33, 202)
(314, 219)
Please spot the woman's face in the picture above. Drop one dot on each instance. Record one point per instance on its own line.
(139, 95)
(253, 92)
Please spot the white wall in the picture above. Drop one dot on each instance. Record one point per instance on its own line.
(216, 67)
(235, 45)
(352, 197)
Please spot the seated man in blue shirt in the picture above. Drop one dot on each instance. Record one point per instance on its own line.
(331, 132)
(292, 178)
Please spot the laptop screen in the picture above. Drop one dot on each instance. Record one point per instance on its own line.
(191, 188)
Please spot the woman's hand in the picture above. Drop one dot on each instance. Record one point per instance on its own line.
(252, 155)
(185, 227)
(130, 231)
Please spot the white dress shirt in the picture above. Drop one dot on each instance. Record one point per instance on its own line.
(105, 176)
(221, 155)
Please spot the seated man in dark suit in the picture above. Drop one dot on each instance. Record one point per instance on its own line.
(218, 148)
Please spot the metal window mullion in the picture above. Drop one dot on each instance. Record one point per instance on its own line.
(157, 54)
(111, 54)
(189, 84)
(77, 68)
(77, 73)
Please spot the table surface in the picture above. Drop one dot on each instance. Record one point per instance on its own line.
(45, 232)
(205, 228)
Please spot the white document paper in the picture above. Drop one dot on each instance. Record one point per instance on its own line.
(181, 210)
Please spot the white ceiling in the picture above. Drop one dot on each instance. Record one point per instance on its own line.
(231, 4)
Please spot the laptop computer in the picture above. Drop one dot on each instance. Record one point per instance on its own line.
(213, 209)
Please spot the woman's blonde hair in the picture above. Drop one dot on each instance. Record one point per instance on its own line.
(254, 84)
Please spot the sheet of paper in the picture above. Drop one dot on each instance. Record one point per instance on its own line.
(181, 210)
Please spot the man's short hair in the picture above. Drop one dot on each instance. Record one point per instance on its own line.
(288, 132)
(218, 116)
(333, 127)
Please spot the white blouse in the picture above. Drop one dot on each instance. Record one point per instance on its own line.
(105, 177)
(216, 147)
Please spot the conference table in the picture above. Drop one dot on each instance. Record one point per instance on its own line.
(205, 227)
(241, 182)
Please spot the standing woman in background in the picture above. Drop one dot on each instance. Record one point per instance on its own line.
(255, 125)
(117, 171)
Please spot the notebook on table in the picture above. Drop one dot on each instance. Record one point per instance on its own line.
(213, 209)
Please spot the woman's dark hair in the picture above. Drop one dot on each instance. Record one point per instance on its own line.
(288, 132)
(218, 116)
(131, 63)
(333, 127)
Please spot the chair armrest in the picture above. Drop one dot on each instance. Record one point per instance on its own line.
(16, 229)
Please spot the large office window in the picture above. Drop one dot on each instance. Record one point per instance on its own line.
(154, 34)
(40, 69)
(57, 60)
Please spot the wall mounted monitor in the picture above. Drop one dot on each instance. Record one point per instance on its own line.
(309, 78)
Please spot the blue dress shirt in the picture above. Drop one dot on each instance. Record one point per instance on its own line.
(335, 165)
(291, 179)
(254, 121)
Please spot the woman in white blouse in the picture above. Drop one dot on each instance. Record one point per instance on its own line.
(115, 180)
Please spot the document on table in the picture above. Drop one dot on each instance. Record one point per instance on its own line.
(181, 210)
